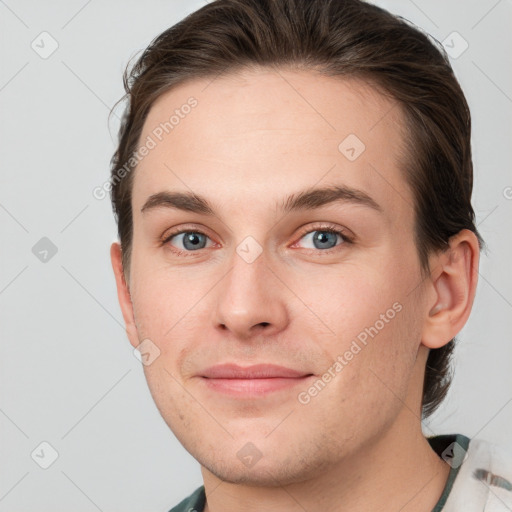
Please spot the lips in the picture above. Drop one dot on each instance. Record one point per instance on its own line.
(258, 371)
(253, 381)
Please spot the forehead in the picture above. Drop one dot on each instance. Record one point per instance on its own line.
(255, 136)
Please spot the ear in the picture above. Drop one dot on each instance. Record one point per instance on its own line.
(454, 277)
(123, 294)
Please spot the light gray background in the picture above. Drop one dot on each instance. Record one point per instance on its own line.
(67, 372)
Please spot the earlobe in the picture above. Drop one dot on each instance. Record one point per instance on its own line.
(454, 288)
(123, 294)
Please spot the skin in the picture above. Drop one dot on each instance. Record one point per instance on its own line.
(254, 139)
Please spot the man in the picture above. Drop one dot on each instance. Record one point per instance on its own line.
(297, 253)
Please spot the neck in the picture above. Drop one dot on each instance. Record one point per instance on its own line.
(397, 471)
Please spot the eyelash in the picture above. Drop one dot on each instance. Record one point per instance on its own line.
(346, 239)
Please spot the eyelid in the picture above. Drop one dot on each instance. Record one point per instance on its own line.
(184, 228)
(347, 236)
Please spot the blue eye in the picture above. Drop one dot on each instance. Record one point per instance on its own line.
(324, 238)
(191, 240)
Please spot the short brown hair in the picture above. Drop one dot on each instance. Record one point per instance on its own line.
(340, 38)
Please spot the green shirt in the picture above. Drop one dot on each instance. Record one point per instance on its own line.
(196, 501)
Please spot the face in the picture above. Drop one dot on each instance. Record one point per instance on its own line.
(266, 271)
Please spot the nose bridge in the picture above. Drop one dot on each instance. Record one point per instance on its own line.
(248, 277)
(248, 296)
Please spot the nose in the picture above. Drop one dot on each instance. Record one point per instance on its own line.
(251, 300)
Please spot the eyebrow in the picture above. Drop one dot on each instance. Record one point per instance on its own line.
(309, 199)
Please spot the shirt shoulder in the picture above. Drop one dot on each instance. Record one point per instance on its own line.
(193, 503)
(484, 478)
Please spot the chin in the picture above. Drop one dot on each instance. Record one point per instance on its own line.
(272, 469)
(268, 475)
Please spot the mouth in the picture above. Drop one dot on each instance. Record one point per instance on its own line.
(253, 381)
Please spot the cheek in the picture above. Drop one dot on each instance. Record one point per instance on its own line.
(374, 330)
(373, 382)
(153, 309)
(381, 372)
(351, 300)
(177, 407)
(170, 308)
